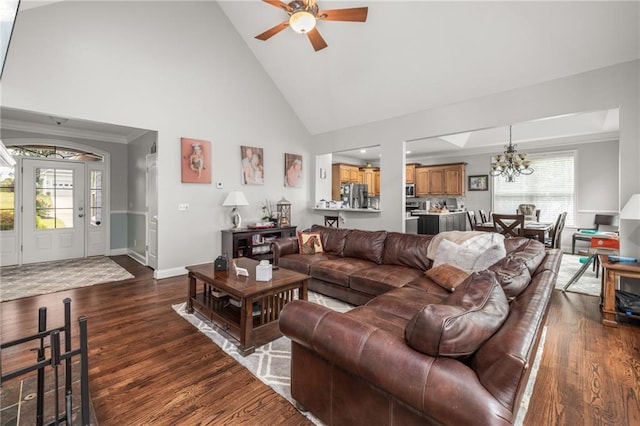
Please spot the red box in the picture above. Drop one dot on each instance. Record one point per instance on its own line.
(610, 243)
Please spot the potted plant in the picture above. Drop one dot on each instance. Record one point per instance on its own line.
(268, 215)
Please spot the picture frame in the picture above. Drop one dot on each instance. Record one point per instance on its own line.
(195, 158)
(252, 165)
(478, 183)
(292, 170)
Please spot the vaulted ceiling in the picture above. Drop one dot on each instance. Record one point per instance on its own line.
(416, 55)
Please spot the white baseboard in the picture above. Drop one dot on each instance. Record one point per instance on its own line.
(137, 257)
(168, 273)
(118, 252)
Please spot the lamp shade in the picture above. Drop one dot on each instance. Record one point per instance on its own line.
(631, 210)
(235, 198)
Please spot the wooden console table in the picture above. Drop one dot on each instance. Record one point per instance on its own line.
(245, 310)
(612, 272)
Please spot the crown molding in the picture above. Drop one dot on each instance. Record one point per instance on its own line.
(52, 130)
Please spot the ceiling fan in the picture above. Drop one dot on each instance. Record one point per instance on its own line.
(303, 15)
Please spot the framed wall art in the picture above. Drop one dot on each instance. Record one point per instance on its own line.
(292, 170)
(478, 183)
(196, 160)
(252, 166)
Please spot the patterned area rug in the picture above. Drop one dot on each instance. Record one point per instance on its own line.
(271, 363)
(17, 282)
(587, 284)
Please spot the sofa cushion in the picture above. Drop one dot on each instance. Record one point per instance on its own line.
(338, 270)
(405, 302)
(514, 272)
(333, 239)
(407, 250)
(447, 276)
(309, 242)
(302, 262)
(463, 321)
(382, 278)
(367, 245)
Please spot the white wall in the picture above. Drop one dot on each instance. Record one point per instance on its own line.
(615, 86)
(179, 68)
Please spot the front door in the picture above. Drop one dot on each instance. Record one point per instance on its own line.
(53, 210)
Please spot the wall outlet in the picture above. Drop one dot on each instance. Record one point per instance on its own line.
(183, 207)
(219, 185)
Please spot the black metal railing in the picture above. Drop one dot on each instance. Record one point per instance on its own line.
(56, 359)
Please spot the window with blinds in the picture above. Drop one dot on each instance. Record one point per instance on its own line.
(551, 187)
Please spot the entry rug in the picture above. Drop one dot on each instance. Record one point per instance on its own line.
(587, 284)
(271, 363)
(34, 279)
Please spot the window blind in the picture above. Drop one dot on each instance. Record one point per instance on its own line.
(551, 187)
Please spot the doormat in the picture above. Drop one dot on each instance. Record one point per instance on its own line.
(271, 363)
(34, 279)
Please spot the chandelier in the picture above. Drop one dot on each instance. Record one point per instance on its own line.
(510, 164)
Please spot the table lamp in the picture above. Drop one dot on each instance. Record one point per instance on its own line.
(235, 199)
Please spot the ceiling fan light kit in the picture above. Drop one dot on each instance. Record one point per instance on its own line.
(303, 15)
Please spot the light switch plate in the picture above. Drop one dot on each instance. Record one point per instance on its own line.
(183, 207)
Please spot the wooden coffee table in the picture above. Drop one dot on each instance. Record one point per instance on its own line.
(245, 310)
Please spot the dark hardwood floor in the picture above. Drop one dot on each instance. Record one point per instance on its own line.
(149, 366)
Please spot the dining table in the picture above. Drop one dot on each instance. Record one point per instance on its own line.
(532, 229)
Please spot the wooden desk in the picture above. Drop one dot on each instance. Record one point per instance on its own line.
(531, 229)
(612, 272)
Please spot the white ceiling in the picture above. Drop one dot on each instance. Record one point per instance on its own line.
(414, 55)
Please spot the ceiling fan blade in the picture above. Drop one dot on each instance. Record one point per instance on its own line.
(316, 40)
(356, 14)
(272, 31)
(278, 4)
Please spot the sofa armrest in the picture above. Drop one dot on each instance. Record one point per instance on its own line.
(282, 247)
(434, 386)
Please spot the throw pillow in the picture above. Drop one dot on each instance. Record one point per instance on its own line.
(447, 276)
(463, 322)
(454, 254)
(309, 242)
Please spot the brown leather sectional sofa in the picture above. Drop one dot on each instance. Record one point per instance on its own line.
(413, 352)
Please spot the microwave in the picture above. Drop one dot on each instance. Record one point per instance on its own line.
(410, 190)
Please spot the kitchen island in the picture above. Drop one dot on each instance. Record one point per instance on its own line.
(433, 223)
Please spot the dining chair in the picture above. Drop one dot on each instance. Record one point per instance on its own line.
(509, 225)
(529, 211)
(472, 219)
(332, 221)
(555, 236)
(483, 216)
(599, 220)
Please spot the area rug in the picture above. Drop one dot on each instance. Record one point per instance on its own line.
(587, 284)
(271, 363)
(17, 282)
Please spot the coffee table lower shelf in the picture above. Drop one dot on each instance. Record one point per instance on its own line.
(255, 321)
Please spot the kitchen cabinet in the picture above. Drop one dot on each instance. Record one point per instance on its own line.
(343, 173)
(444, 179)
(369, 177)
(434, 223)
(410, 172)
(422, 181)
